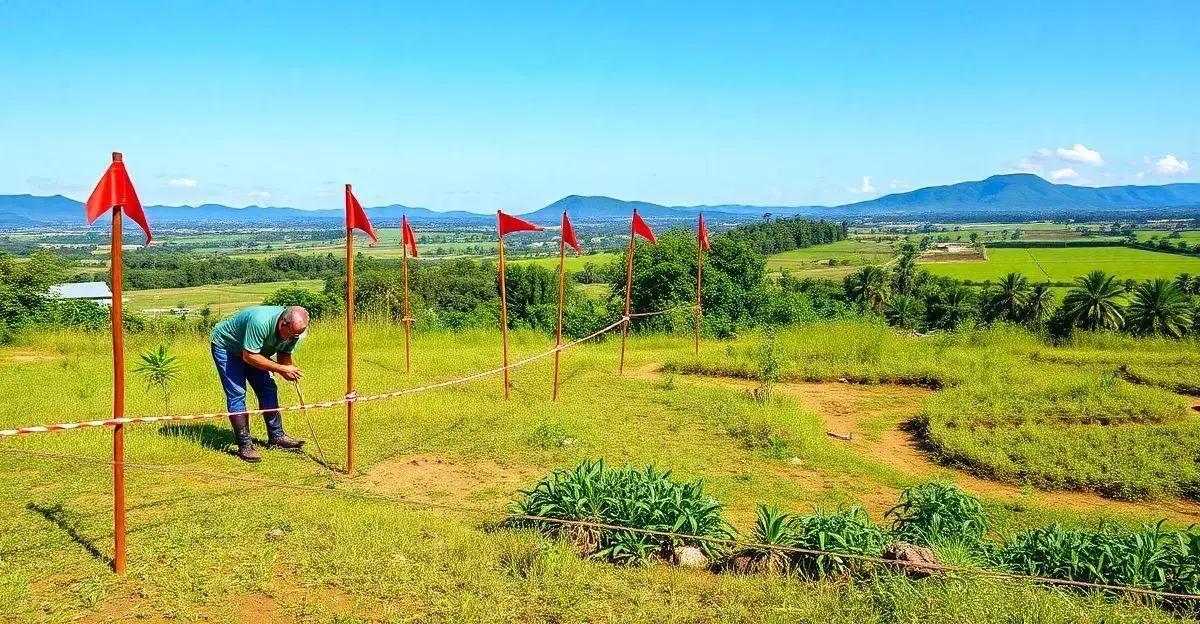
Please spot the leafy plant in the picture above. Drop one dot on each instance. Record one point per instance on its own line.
(628, 497)
(1149, 557)
(772, 528)
(159, 370)
(847, 531)
(938, 511)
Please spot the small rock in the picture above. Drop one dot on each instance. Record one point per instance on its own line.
(691, 557)
(796, 461)
(275, 534)
(919, 562)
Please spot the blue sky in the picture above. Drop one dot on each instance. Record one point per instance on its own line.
(472, 106)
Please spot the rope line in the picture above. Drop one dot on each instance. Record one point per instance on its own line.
(727, 541)
(351, 397)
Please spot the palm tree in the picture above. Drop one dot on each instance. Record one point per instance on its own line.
(1094, 303)
(1007, 302)
(1160, 307)
(868, 286)
(159, 369)
(904, 277)
(951, 307)
(1037, 304)
(1188, 284)
(906, 312)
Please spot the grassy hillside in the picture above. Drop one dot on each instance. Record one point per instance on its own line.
(205, 548)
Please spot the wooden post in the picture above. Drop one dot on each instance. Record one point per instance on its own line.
(349, 340)
(503, 307)
(407, 321)
(699, 273)
(628, 291)
(562, 284)
(118, 344)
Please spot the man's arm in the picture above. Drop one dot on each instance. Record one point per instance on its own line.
(283, 367)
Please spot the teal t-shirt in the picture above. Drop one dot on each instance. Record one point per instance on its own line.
(253, 329)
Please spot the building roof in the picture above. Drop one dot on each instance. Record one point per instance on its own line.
(81, 290)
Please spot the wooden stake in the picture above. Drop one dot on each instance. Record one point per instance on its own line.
(699, 272)
(349, 341)
(562, 284)
(503, 307)
(628, 290)
(407, 321)
(118, 344)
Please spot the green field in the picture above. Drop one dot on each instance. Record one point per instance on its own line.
(1066, 263)
(574, 262)
(221, 299)
(836, 257)
(205, 548)
(1192, 237)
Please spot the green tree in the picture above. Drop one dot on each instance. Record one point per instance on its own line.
(1006, 301)
(1038, 305)
(318, 304)
(906, 312)
(159, 370)
(1094, 303)
(951, 307)
(1159, 308)
(868, 286)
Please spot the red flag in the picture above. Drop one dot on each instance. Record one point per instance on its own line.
(703, 234)
(356, 217)
(115, 189)
(507, 224)
(407, 237)
(641, 229)
(568, 235)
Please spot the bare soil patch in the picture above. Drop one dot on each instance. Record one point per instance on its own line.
(437, 478)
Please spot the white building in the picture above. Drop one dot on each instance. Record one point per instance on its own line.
(92, 291)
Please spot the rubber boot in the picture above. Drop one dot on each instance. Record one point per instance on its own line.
(245, 444)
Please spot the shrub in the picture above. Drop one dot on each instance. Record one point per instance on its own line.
(628, 497)
(935, 512)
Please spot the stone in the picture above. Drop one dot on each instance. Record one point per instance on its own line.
(918, 561)
(691, 557)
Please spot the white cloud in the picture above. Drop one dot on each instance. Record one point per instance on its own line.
(258, 194)
(1170, 166)
(182, 182)
(1028, 166)
(1080, 154)
(1065, 174)
(899, 185)
(865, 188)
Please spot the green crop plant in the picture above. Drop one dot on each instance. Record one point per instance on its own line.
(628, 497)
(848, 531)
(937, 512)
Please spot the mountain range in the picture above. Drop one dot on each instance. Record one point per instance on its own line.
(1003, 197)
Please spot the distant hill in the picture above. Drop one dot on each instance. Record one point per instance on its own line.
(1025, 192)
(1002, 197)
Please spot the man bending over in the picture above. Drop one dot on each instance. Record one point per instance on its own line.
(243, 346)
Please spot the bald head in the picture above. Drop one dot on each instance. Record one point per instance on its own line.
(292, 322)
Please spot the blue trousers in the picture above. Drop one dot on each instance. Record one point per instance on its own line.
(235, 375)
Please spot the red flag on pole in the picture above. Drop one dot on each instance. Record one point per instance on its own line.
(641, 229)
(507, 224)
(568, 235)
(703, 235)
(356, 217)
(408, 239)
(115, 189)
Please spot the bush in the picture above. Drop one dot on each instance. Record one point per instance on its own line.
(844, 531)
(628, 497)
(318, 304)
(938, 512)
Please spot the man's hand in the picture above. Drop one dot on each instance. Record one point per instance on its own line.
(289, 372)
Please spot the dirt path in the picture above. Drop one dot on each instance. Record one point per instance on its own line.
(872, 415)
